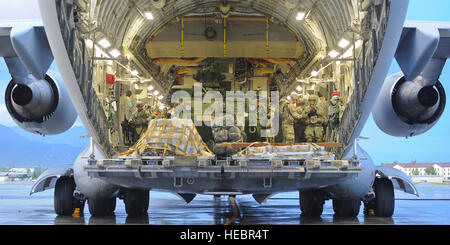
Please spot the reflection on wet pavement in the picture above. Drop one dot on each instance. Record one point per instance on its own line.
(17, 207)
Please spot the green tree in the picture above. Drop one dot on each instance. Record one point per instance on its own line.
(430, 170)
(37, 171)
(415, 172)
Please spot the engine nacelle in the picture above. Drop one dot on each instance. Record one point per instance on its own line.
(41, 106)
(406, 108)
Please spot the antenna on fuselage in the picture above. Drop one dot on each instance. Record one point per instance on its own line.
(355, 155)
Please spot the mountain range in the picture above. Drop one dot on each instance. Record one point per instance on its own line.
(19, 148)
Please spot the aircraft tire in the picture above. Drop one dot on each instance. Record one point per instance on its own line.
(311, 202)
(64, 202)
(384, 202)
(136, 202)
(346, 207)
(102, 206)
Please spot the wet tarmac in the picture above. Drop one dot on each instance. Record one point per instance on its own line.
(17, 207)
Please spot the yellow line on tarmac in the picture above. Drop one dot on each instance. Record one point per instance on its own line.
(235, 211)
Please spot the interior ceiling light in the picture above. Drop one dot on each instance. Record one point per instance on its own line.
(314, 73)
(160, 97)
(300, 16)
(150, 88)
(293, 92)
(115, 53)
(288, 98)
(343, 43)
(134, 73)
(299, 88)
(348, 53)
(89, 43)
(99, 52)
(333, 53)
(149, 15)
(104, 43)
(156, 93)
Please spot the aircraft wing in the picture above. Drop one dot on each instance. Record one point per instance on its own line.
(423, 49)
(27, 45)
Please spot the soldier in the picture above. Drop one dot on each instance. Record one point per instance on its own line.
(129, 104)
(314, 122)
(140, 120)
(290, 115)
(270, 125)
(300, 125)
(334, 111)
(127, 129)
(165, 113)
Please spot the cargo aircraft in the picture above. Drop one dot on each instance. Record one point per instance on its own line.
(105, 49)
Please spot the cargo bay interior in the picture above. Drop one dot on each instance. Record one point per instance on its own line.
(300, 48)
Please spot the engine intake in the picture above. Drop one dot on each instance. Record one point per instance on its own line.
(40, 106)
(406, 108)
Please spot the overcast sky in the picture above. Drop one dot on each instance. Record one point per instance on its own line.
(431, 146)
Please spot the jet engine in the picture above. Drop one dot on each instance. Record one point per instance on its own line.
(408, 108)
(41, 106)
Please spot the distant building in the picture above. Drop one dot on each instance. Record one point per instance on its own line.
(20, 173)
(418, 173)
(4, 176)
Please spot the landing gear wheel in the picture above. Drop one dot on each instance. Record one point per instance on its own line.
(136, 202)
(311, 202)
(102, 206)
(64, 201)
(346, 207)
(384, 202)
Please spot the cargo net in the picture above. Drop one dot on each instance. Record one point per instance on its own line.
(170, 137)
(303, 150)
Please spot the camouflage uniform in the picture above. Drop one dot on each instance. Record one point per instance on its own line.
(290, 114)
(300, 125)
(314, 123)
(140, 120)
(129, 107)
(334, 114)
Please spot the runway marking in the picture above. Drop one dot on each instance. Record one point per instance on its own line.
(235, 211)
